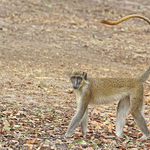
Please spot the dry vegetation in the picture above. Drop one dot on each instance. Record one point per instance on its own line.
(40, 41)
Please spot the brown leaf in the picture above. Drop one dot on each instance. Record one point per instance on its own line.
(147, 99)
(112, 115)
(33, 141)
(147, 94)
(7, 112)
(148, 146)
(89, 148)
(95, 111)
(29, 146)
(15, 109)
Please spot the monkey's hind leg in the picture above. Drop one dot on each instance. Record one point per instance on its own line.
(122, 110)
(84, 123)
(137, 113)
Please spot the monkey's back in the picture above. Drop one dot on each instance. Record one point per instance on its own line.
(105, 90)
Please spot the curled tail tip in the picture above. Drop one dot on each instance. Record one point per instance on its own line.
(103, 21)
(108, 22)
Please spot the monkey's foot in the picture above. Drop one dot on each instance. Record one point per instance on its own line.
(120, 135)
(84, 134)
(144, 137)
(66, 135)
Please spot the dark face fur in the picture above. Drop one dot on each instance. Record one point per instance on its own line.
(77, 77)
(76, 80)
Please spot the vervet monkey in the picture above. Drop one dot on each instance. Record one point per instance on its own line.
(125, 18)
(107, 90)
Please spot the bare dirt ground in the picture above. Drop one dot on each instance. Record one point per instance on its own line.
(40, 41)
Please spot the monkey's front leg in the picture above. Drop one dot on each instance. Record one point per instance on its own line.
(84, 123)
(76, 119)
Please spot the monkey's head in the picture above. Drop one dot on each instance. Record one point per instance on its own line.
(77, 78)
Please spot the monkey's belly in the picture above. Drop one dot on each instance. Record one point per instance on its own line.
(108, 99)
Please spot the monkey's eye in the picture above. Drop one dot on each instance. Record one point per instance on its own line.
(79, 79)
(73, 78)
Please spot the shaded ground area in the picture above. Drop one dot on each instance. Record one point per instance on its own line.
(40, 41)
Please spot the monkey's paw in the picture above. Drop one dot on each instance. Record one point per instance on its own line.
(144, 137)
(65, 135)
(120, 134)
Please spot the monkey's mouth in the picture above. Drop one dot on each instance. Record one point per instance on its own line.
(75, 87)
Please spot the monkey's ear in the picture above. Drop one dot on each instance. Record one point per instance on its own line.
(85, 75)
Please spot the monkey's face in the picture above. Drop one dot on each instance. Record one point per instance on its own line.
(76, 81)
(77, 78)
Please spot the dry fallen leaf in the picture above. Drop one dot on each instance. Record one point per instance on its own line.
(33, 141)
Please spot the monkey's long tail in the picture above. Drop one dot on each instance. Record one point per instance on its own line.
(144, 76)
(125, 18)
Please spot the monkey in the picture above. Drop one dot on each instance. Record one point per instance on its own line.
(125, 18)
(129, 92)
